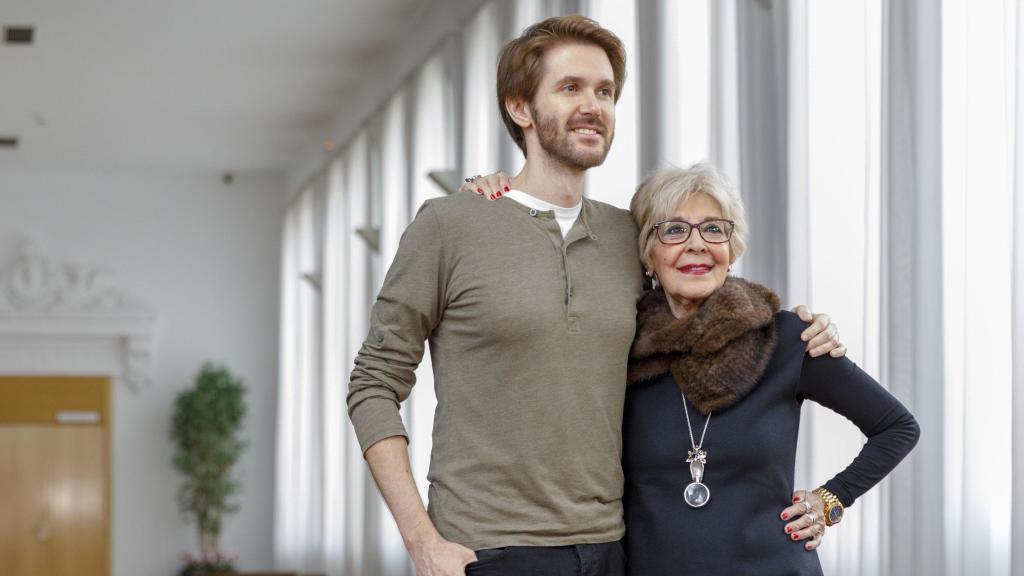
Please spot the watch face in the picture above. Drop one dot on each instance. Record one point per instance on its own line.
(835, 514)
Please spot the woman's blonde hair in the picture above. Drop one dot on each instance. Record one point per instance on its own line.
(661, 193)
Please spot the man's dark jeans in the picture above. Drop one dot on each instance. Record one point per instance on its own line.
(607, 559)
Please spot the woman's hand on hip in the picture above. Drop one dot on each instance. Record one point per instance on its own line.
(805, 519)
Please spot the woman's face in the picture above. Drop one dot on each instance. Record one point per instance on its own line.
(691, 271)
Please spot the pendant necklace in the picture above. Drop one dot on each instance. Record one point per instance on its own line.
(696, 494)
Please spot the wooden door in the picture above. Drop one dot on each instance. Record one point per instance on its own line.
(54, 477)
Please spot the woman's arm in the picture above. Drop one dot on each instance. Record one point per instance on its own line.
(892, 431)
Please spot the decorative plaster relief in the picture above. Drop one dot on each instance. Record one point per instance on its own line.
(52, 313)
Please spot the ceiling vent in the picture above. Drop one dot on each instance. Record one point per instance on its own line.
(18, 35)
(8, 142)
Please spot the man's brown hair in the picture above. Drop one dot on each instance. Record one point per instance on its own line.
(519, 65)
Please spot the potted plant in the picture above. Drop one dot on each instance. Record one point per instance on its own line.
(206, 428)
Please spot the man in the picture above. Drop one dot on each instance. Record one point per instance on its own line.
(529, 304)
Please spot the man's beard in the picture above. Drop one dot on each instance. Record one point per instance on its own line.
(555, 140)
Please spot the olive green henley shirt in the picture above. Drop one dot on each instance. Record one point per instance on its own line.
(529, 337)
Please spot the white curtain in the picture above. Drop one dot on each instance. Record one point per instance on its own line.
(481, 125)
(615, 181)
(322, 492)
(835, 88)
(287, 537)
(358, 495)
(1017, 527)
(912, 333)
(763, 110)
(686, 90)
(899, 133)
(680, 92)
(298, 523)
(339, 441)
(979, 105)
(1017, 284)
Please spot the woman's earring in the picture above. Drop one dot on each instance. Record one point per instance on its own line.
(653, 278)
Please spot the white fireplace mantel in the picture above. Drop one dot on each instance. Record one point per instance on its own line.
(71, 320)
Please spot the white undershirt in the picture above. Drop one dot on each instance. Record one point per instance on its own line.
(565, 217)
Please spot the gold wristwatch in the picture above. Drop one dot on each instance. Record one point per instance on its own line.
(833, 507)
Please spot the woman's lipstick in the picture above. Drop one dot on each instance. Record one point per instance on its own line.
(695, 269)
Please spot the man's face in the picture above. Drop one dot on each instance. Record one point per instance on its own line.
(574, 105)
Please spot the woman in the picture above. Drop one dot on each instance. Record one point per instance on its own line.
(717, 377)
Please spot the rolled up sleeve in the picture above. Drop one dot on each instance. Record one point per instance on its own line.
(406, 311)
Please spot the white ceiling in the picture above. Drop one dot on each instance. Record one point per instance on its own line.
(196, 85)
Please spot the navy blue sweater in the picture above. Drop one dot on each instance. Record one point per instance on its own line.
(751, 449)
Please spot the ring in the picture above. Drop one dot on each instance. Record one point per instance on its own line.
(807, 507)
(813, 517)
(468, 180)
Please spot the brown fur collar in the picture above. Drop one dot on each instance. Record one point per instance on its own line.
(718, 353)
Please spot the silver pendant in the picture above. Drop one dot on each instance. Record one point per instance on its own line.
(696, 493)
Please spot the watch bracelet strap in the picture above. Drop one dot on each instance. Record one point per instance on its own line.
(831, 501)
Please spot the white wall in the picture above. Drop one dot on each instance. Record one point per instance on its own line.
(205, 257)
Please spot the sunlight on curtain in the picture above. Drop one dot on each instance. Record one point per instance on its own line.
(615, 181)
(724, 122)
(481, 124)
(1017, 528)
(338, 440)
(833, 234)
(357, 483)
(375, 199)
(685, 82)
(287, 537)
(526, 13)
(978, 107)
(394, 180)
(298, 518)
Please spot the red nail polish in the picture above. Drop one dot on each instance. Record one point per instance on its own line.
(794, 536)
(506, 188)
(788, 529)
(498, 194)
(796, 499)
(479, 190)
(785, 516)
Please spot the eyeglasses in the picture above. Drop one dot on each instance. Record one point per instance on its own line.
(677, 231)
